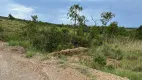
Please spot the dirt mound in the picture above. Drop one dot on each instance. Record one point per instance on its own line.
(71, 51)
(17, 49)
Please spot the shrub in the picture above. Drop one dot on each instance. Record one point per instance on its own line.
(24, 44)
(131, 56)
(125, 73)
(118, 54)
(29, 31)
(1, 32)
(52, 39)
(81, 41)
(112, 29)
(110, 67)
(112, 53)
(80, 31)
(59, 47)
(30, 54)
(94, 33)
(99, 61)
(122, 31)
(138, 67)
(139, 32)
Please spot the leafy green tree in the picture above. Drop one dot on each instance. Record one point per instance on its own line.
(82, 25)
(73, 14)
(106, 17)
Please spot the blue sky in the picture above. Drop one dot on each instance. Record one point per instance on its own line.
(128, 12)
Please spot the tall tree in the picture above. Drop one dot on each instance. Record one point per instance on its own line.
(106, 17)
(81, 22)
(73, 14)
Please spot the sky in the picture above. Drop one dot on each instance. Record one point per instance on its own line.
(128, 13)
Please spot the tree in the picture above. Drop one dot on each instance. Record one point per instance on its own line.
(81, 20)
(95, 21)
(10, 16)
(34, 18)
(73, 14)
(106, 17)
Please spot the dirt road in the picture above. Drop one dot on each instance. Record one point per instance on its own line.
(13, 66)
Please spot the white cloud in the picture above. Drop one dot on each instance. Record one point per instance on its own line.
(17, 10)
(20, 11)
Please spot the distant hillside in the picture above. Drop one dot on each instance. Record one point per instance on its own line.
(40, 22)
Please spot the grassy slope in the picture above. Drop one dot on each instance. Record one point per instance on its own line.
(13, 27)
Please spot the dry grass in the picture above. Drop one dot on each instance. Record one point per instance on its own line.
(127, 44)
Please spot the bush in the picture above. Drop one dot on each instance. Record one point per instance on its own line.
(24, 44)
(99, 61)
(29, 31)
(118, 54)
(52, 39)
(94, 33)
(110, 67)
(122, 31)
(112, 29)
(1, 32)
(139, 32)
(81, 41)
(80, 31)
(112, 53)
(138, 67)
(30, 54)
(131, 56)
(125, 73)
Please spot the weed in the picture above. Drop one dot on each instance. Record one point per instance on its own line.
(30, 54)
(99, 61)
(62, 57)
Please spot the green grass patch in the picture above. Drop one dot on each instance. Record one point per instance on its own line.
(25, 44)
(30, 54)
(125, 73)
